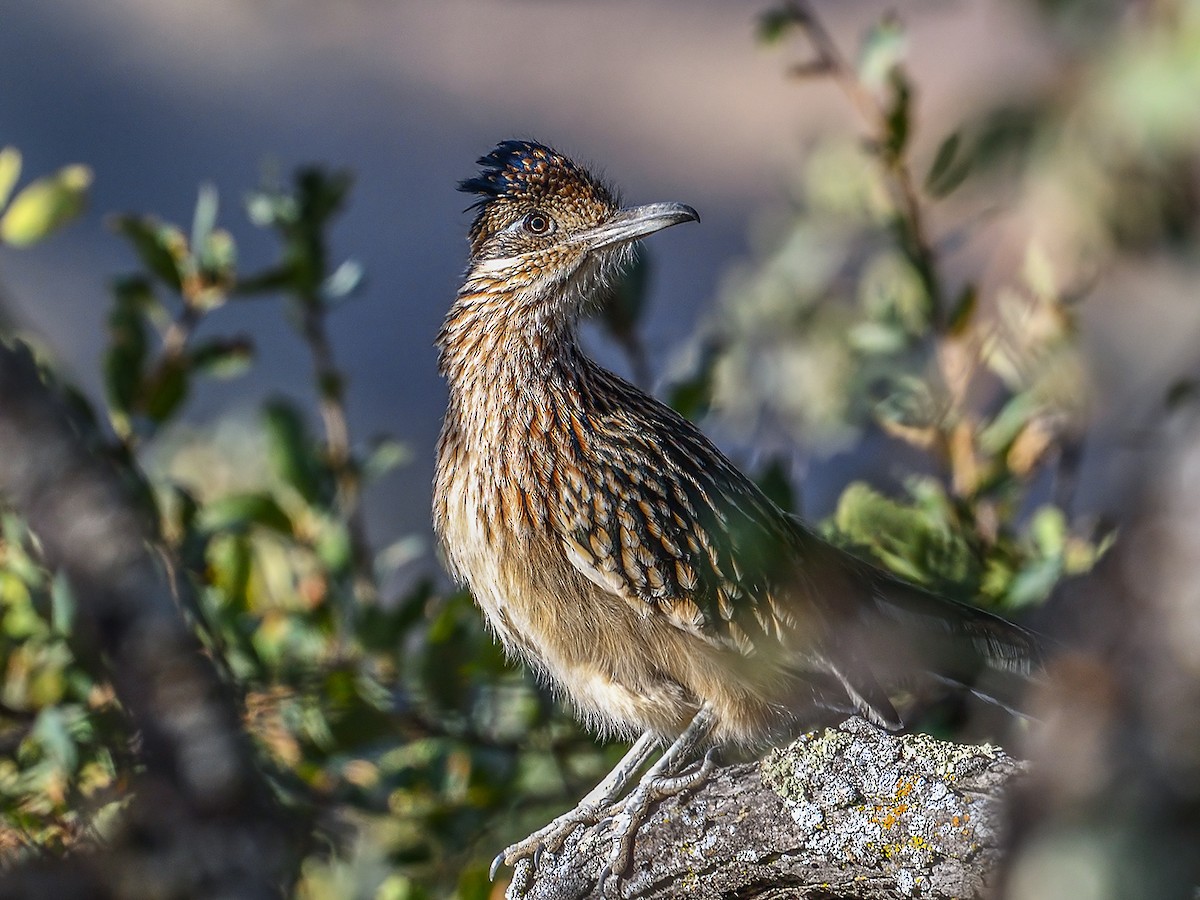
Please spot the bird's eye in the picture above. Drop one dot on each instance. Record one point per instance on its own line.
(537, 223)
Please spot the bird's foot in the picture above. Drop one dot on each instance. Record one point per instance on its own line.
(629, 814)
(549, 837)
(525, 855)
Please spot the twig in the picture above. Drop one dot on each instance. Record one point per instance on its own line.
(332, 403)
(910, 226)
(179, 332)
(831, 62)
(913, 234)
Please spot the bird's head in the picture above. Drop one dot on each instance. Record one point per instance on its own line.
(544, 223)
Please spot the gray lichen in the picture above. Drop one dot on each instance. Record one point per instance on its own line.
(867, 796)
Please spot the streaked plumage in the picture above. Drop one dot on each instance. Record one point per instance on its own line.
(609, 542)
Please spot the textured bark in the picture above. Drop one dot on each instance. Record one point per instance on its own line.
(852, 812)
(203, 822)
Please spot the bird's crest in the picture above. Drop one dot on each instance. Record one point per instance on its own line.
(520, 176)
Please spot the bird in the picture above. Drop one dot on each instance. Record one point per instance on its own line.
(616, 550)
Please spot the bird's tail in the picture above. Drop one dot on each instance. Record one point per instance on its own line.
(951, 634)
(956, 647)
(899, 636)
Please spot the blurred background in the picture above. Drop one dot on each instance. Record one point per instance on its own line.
(942, 301)
(668, 100)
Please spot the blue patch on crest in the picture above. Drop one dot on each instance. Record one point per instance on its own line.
(504, 169)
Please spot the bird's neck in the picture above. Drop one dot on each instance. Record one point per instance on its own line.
(504, 343)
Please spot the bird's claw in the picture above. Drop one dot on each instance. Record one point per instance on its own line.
(623, 818)
(548, 838)
(496, 864)
(603, 882)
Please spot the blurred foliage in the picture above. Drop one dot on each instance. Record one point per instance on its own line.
(391, 713)
(863, 325)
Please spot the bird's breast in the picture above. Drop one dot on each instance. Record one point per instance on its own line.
(514, 492)
(494, 508)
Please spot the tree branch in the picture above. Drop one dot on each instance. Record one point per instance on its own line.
(852, 812)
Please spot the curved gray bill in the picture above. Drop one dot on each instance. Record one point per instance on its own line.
(635, 222)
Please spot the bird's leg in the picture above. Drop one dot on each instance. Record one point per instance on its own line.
(661, 780)
(588, 811)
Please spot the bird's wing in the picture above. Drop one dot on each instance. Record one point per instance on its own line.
(673, 528)
(662, 519)
(666, 522)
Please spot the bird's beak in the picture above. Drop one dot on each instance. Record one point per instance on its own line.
(634, 222)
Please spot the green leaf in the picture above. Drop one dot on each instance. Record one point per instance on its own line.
(125, 359)
(909, 402)
(948, 170)
(45, 205)
(877, 338)
(51, 731)
(165, 389)
(136, 292)
(1007, 134)
(10, 171)
(217, 256)
(899, 111)
(291, 451)
(386, 454)
(963, 309)
(267, 208)
(223, 357)
(230, 563)
(402, 887)
(917, 542)
(943, 158)
(62, 604)
(887, 528)
(1048, 528)
(998, 435)
(1034, 582)
(333, 546)
(345, 280)
(161, 248)
(398, 554)
(775, 23)
(204, 217)
(237, 512)
(883, 50)
(892, 294)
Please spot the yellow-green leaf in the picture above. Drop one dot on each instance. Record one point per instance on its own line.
(45, 205)
(10, 170)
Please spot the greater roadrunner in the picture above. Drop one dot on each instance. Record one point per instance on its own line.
(617, 550)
